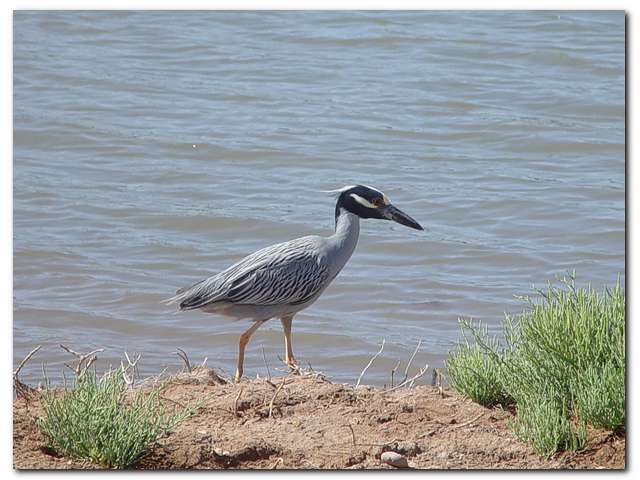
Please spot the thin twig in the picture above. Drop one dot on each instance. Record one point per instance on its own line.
(88, 364)
(181, 353)
(406, 370)
(395, 440)
(437, 375)
(46, 377)
(393, 371)
(369, 364)
(154, 379)
(72, 352)
(266, 365)
(460, 425)
(81, 355)
(410, 380)
(127, 379)
(353, 434)
(312, 373)
(276, 394)
(235, 402)
(25, 360)
(134, 363)
(22, 389)
(89, 358)
(181, 405)
(131, 365)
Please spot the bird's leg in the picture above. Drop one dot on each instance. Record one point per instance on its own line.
(244, 339)
(289, 358)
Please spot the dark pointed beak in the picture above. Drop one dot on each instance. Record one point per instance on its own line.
(392, 213)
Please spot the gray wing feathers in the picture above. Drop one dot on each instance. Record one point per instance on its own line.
(290, 283)
(287, 273)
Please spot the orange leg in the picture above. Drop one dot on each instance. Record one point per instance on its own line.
(244, 339)
(289, 358)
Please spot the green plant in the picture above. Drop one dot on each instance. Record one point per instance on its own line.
(599, 397)
(97, 419)
(475, 373)
(562, 364)
(547, 426)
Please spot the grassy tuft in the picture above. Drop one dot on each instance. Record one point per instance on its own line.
(474, 373)
(599, 396)
(546, 425)
(98, 421)
(562, 365)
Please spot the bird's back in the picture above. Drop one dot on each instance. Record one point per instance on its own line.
(289, 273)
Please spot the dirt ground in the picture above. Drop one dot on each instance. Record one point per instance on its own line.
(307, 422)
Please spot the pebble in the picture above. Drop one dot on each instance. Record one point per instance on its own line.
(394, 459)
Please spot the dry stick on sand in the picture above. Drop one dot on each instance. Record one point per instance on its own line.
(410, 380)
(235, 402)
(460, 425)
(175, 402)
(356, 444)
(85, 359)
(181, 353)
(266, 365)
(154, 379)
(131, 365)
(22, 389)
(406, 370)
(393, 371)
(25, 360)
(134, 365)
(353, 434)
(369, 364)
(284, 379)
(310, 372)
(437, 381)
(277, 463)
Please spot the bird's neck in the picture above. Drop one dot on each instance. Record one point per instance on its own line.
(347, 229)
(343, 242)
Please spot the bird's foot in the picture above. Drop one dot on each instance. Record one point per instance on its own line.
(293, 367)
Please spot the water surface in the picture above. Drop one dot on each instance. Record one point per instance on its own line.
(153, 149)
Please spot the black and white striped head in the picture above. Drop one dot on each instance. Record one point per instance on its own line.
(368, 202)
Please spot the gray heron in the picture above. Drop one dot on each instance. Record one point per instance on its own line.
(280, 280)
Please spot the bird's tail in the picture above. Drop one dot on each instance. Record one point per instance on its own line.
(195, 296)
(178, 297)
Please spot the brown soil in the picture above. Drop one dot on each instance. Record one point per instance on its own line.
(306, 422)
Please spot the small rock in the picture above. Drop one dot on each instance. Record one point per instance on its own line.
(394, 459)
(407, 448)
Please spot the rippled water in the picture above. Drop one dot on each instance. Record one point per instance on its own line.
(153, 149)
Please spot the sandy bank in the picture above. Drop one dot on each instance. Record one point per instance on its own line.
(311, 423)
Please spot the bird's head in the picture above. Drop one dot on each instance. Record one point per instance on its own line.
(367, 202)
